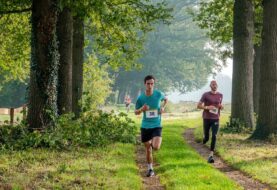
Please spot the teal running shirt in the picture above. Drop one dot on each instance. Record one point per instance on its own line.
(151, 117)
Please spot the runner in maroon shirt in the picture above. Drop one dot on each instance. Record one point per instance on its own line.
(211, 105)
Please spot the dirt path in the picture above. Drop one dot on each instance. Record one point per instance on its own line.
(149, 183)
(242, 179)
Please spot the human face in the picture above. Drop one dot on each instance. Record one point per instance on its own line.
(213, 86)
(149, 84)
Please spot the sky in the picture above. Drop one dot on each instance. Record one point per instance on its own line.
(175, 97)
(228, 70)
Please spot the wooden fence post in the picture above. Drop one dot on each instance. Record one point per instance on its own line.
(11, 116)
(24, 112)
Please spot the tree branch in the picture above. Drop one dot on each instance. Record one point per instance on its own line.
(15, 11)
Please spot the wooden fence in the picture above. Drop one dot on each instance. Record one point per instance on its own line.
(12, 111)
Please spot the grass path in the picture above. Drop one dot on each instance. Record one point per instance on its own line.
(149, 183)
(245, 181)
(180, 167)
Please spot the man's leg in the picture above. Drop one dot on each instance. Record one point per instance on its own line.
(148, 150)
(156, 142)
(146, 139)
(149, 158)
(215, 127)
(157, 138)
(126, 106)
(206, 130)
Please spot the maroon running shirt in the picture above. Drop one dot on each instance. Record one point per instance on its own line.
(210, 99)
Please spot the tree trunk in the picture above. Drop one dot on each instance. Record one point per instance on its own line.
(267, 120)
(78, 60)
(256, 78)
(42, 100)
(242, 88)
(134, 94)
(121, 96)
(65, 38)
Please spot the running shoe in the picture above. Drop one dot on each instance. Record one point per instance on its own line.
(211, 159)
(150, 173)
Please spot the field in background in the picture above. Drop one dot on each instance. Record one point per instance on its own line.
(5, 119)
(183, 108)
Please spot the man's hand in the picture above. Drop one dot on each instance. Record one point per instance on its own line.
(162, 110)
(220, 106)
(209, 107)
(144, 108)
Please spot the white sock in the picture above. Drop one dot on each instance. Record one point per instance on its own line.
(211, 153)
(149, 166)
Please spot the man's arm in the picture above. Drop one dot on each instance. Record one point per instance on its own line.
(138, 111)
(164, 104)
(201, 105)
(220, 106)
(142, 109)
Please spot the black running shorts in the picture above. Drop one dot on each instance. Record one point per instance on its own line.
(148, 134)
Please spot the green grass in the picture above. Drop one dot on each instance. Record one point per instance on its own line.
(114, 167)
(257, 158)
(102, 168)
(181, 167)
(6, 118)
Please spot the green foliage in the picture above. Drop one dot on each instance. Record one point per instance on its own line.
(216, 17)
(15, 46)
(96, 84)
(118, 29)
(235, 125)
(12, 94)
(175, 54)
(92, 129)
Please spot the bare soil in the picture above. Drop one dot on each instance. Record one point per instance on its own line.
(149, 183)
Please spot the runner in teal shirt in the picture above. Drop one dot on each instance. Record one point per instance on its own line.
(151, 117)
(149, 103)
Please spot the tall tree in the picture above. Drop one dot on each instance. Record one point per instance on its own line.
(78, 61)
(65, 38)
(256, 77)
(117, 28)
(267, 120)
(42, 105)
(258, 24)
(216, 16)
(242, 85)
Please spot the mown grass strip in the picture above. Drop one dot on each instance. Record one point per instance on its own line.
(181, 167)
(256, 158)
(112, 167)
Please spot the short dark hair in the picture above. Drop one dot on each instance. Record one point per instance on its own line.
(149, 77)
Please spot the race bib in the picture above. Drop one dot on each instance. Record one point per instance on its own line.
(214, 111)
(151, 114)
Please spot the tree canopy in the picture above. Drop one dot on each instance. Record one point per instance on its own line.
(175, 54)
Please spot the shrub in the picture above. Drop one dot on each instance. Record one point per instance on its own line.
(235, 125)
(92, 129)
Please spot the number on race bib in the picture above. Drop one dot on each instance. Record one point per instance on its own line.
(151, 113)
